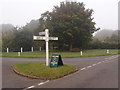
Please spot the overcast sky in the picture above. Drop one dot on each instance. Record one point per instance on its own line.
(20, 12)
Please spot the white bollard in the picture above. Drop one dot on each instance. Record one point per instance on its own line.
(21, 49)
(81, 53)
(7, 50)
(108, 51)
(32, 49)
(40, 48)
(18, 53)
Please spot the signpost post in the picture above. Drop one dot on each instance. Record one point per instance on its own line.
(46, 38)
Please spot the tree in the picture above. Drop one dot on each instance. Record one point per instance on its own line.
(8, 35)
(71, 22)
(23, 38)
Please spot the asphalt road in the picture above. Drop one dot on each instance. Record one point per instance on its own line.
(94, 72)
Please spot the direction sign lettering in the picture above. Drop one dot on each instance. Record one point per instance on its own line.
(53, 38)
(44, 38)
(39, 37)
(41, 33)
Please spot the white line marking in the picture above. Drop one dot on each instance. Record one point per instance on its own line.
(103, 61)
(43, 82)
(111, 58)
(93, 64)
(106, 60)
(40, 83)
(110, 61)
(46, 81)
(98, 62)
(30, 87)
(82, 69)
(89, 66)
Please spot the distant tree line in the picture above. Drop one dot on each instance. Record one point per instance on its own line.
(111, 42)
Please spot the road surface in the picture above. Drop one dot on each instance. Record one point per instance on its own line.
(94, 72)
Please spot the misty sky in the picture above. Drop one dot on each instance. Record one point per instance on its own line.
(20, 12)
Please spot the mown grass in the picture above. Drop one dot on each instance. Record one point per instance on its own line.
(38, 54)
(42, 71)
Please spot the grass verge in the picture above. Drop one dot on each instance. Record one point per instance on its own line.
(40, 71)
(86, 53)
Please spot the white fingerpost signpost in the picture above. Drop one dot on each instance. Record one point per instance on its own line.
(46, 38)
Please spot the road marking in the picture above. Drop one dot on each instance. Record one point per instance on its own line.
(112, 57)
(107, 60)
(89, 66)
(46, 81)
(98, 62)
(93, 64)
(103, 61)
(30, 87)
(82, 69)
(41, 83)
(37, 84)
(110, 61)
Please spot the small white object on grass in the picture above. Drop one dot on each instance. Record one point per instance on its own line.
(81, 53)
(18, 53)
(108, 51)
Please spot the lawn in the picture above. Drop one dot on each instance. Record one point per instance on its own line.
(40, 70)
(38, 54)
